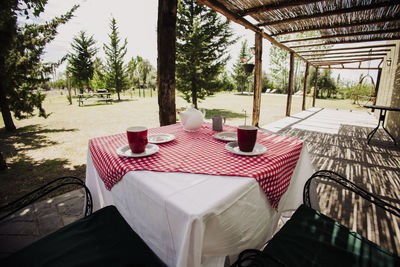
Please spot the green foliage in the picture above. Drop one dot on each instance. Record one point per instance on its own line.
(116, 74)
(279, 67)
(133, 71)
(227, 84)
(80, 60)
(326, 84)
(201, 50)
(22, 47)
(239, 76)
(266, 82)
(98, 80)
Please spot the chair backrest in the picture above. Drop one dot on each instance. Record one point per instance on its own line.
(339, 179)
(40, 192)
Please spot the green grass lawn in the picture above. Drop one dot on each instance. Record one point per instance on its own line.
(43, 149)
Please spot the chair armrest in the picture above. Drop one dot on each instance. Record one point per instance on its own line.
(339, 179)
(31, 197)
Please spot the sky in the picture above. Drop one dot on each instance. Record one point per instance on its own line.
(137, 21)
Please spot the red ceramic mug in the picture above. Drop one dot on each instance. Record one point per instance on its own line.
(137, 138)
(246, 136)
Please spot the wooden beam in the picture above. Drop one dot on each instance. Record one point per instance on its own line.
(346, 48)
(215, 5)
(166, 49)
(365, 33)
(291, 85)
(315, 86)
(380, 63)
(346, 53)
(345, 60)
(347, 68)
(330, 13)
(345, 56)
(338, 25)
(303, 106)
(257, 79)
(348, 42)
(276, 6)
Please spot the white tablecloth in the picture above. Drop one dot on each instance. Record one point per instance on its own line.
(194, 219)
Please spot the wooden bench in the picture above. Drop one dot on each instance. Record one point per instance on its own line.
(100, 96)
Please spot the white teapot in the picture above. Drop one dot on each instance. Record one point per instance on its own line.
(191, 119)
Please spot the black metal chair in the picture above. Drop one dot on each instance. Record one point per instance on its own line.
(310, 238)
(103, 238)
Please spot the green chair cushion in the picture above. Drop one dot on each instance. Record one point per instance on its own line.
(310, 238)
(101, 239)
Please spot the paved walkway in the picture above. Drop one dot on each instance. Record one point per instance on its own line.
(39, 219)
(336, 140)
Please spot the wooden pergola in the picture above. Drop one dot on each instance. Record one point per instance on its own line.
(336, 21)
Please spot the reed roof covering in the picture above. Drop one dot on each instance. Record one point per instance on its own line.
(321, 23)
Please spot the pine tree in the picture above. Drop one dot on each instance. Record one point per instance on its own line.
(117, 77)
(81, 59)
(201, 50)
(21, 49)
(239, 75)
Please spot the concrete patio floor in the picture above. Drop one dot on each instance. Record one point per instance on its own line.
(336, 140)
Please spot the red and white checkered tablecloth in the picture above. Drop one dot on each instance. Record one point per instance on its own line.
(199, 152)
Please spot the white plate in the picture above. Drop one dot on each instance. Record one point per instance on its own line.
(257, 150)
(160, 138)
(226, 136)
(125, 151)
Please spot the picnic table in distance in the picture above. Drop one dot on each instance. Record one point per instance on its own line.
(101, 95)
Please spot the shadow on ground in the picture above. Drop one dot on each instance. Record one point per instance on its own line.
(374, 167)
(27, 138)
(225, 113)
(24, 173)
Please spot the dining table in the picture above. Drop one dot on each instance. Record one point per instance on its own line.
(194, 202)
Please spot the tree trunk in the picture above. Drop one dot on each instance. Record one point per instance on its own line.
(69, 89)
(166, 48)
(5, 111)
(3, 164)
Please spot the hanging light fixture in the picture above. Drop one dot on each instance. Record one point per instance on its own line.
(389, 62)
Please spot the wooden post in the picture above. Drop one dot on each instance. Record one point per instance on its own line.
(378, 81)
(315, 86)
(257, 79)
(291, 83)
(303, 107)
(166, 48)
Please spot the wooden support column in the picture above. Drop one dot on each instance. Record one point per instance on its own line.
(166, 49)
(257, 79)
(378, 81)
(291, 84)
(315, 86)
(303, 107)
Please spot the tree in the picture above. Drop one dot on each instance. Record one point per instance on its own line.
(202, 42)
(133, 71)
(80, 60)
(21, 69)
(239, 76)
(326, 84)
(116, 77)
(98, 80)
(144, 70)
